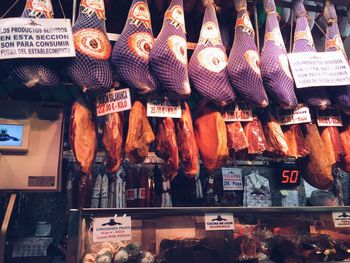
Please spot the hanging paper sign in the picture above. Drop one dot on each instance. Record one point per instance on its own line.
(341, 219)
(36, 38)
(215, 222)
(112, 229)
(114, 101)
(311, 69)
(241, 112)
(329, 117)
(301, 114)
(163, 108)
(232, 179)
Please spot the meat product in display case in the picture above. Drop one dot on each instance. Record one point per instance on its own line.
(255, 136)
(345, 142)
(296, 142)
(236, 139)
(130, 55)
(331, 139)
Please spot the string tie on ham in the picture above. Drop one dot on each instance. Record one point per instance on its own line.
(207, 3)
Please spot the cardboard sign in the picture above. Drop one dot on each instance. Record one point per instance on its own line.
(329, 117)
(232, 179)
(163, 108)
(317, 69)
(241, 112)
(112, 229)
(341, 219)
(35, 38)
(114, 101)
(301, 114)
(215, 222)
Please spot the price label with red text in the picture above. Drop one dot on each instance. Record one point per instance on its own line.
(301, 114)
(241, 112)
(114, 101)
(329, 117)
(163, 108)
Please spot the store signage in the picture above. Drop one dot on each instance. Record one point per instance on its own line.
(114, 101)
(215, 222)
(112, 229)
(341, 219)
(232, 179)
(164, 108)
(241, 112)
(288, 175)
(329, 117)
(35, 38)
(317, 69)
(301, 114)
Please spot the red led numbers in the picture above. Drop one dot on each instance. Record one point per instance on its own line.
(290, 176)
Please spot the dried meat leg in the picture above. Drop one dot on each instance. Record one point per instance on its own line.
(296, 141)
(236, 139)
(331, 139)
(255, 137)
(345, 142)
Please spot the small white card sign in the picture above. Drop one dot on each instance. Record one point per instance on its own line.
(232, 179)
(215, 222)
(301, 114)
(341, 219)
(112, 229)
(163, 108)
(114, 101)
(329, 117)
(36, 38)
(241, 112)
(317, 69)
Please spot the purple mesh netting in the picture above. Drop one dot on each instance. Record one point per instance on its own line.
(208, 64)
(274, 66)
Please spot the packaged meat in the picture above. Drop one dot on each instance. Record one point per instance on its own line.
(131, 186)
(331, 139)
(295, 140)
(303, 42)
(211, 138)
(208, 64)
(83, 135)
(90, 69)
(274, 66)
(345, 142)
(244, 60)
(317, 166)
(35, 72)
(236, 139)
(140, 134)
(255, 136)
(113, 141)
(166, 147)
(84, 190)
(130, 55)
(188, 150)
(168, 57)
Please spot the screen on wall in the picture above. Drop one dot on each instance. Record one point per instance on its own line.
(11, 135)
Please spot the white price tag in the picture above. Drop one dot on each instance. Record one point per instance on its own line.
(114, 101)
(36, 38)
(341, 219)
(301, 114)
(317, 69)
(215, 222)
(163, 108)
(329, 117)
(241, 112)
(232, 179)
(112, 229)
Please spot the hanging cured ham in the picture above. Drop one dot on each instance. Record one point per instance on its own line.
(303, 42)
(168, 57)
(166, 147)
(32, 73)
(90, 68)
(211, 138)
(255, 136)
(275, 71)
(345, 142)
(244, 62)
(331, 140)
(113, 141)
(208, 64)
(296, 142)
(186, 141)
(130, 55)
(236, 139)
(140, 134)
(334, 42)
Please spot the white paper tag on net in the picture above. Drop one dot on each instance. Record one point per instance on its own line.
(114, 101)
(301, 114)
(329, 117)
(232, 179)
(241, 112)
(215, 222)
(112, 229)
(341, 219)
(163, 108)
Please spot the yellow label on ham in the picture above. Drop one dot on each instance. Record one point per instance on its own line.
(335, 43)
(141, 44)
(252, 58)
(178, 47)
(275, 36)
(245, 22)
(213, 59)
(304, 35)
(40, 7)
(94, 6)
(176, 17)
(139, 14)
(210, 34)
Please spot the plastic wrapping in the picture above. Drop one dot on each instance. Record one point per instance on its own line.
(255, 136)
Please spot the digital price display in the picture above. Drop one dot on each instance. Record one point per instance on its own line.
(288, 175)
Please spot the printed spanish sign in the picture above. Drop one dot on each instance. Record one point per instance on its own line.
(163, 108)
(114, 101)
(112, 229)
(341, 219)
(311, 69)
(301, 114)
(214, 222)
(329, 117)
(241, 112)
(35, 38)
(232, 179)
